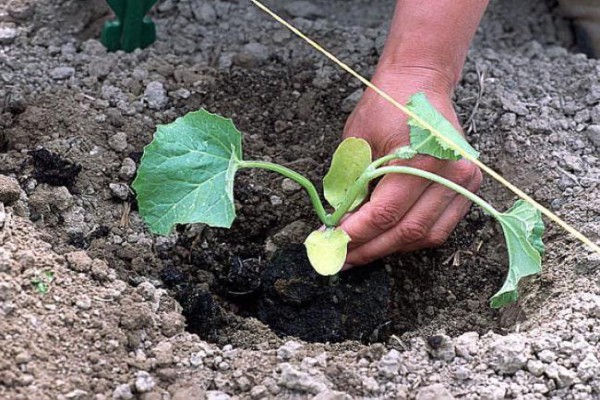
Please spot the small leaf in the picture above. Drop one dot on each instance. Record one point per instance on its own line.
(186, 174)
(349, 161)
(523, 228)
(327, 250)
(425, 142)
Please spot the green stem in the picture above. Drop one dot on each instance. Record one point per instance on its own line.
(371, 173)
(298, 178)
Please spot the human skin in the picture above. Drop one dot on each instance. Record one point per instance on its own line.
(425, 52)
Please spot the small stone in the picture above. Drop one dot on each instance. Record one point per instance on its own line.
(434, 392)
(182, 94)
(155, 95)
(189, 393)
(8, 32)
(144, 382)
(10, 191)
(508, 354)
(547, 356)
(118, 141)
(276, 200)
(83, 302)
(163, 353)
(2, 215)
(21, 10)
(562, 376)
(289, 186)
(23, 358)
(304, 9)
(441, 347)
(79, 261)
(588, 368)
(205, 13)
(252, 55)
(128, 169)
(122, 392)
(217, 395)
(47, 198)
(259, 392)
(389, 364)
(351, 101)
(77, 394)
(294, 379)
(61, 73)
(467, 344)
(536, 367)
(288, 350)
(593, 134)
(119, 190)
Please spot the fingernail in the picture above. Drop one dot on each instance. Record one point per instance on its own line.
(347, 266)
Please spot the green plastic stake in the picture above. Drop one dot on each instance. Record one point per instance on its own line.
(132, 29)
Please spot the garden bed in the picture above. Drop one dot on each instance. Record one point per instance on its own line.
(73, 124)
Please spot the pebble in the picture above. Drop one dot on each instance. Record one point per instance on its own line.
(259, 392)
(144, 381)
(8, 32)
(467, 344)
(46, 196)
(119, 190)
(293, 379)
(83, 302)
(441, 347)
(155, 95)
(79, 261)
(122, 392)
(593, 134)
(389, 364)
(304, 9)
(288, 350)
(205, 13)
(290, 186)
(128, 169)
(10, 190)
(588, 368)
(217, 395)
(252, 55)
(118, 141)
(61, 73)
(434, 392)
(508, 354)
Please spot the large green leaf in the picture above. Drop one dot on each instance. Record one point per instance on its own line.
(349, 161)
(186, 174)
(425, 142)
(523, 228)
(327, 250)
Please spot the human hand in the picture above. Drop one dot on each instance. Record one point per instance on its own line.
(405, 213)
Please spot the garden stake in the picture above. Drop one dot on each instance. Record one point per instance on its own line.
(132, 29)
(555, 218)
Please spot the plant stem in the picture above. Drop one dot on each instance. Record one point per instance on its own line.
(373, 173)
(438, 179)
(298, 178)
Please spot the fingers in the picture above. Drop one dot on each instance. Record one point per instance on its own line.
(414, 227)
(391, 199)
(428, 223)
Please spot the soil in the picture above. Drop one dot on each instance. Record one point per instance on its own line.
(131, 315)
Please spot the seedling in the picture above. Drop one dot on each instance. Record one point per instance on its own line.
(42, 280)
(132, 29)
(187, 176)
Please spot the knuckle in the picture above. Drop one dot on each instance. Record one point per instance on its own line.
(411, 231)
(385, 216)
(464, 172)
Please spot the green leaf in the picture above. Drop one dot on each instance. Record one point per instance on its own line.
(349, 161)
(186, 174)
(327, 250)
(523, 228)
(425, 142)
